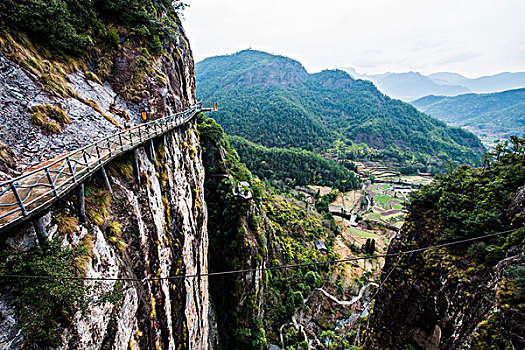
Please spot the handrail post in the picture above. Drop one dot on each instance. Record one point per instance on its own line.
(136, 165)
(51, 182)
(85, 160)
(20, 203)
(71, 169)
(98, 153)
(109, 148)
(130, 137)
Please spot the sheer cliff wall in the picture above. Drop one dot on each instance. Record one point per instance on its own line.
(151, 230)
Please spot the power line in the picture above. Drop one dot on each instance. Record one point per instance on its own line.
(271, 268)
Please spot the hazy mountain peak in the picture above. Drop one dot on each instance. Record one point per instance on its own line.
(491, 116)
(412, 85)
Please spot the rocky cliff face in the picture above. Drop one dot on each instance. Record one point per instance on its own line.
(155, 229)
(238, 230)
(449, 298)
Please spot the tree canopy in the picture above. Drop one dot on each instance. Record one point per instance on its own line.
(72, 26)
(272, 100)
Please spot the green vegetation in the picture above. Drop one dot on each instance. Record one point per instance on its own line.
(98, 201)
(488, 336)
(65, 224)
(296, 166)
(274, 102)
(53, 39)
(42, 114)
(475, 201)
(465, 203)
(369, 247)
(93, 77)
(114, 231)
(72, 26)
(383, 199)
(358, 233)
(270, 229)
(122, 166)
(294, 233)
(230, 226)
(497, 115)
(44, 306)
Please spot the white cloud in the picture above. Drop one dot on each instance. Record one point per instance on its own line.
(473, 37)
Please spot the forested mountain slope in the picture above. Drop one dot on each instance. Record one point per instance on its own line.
(295, 166)
(273, 101)
(500, 114)
(252, 308)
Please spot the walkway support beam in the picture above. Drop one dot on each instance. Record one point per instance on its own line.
(81, 204)
(40, 230)
(152, 149)
(136, 165)
(106, 180)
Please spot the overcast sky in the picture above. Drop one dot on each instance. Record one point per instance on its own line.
(471, 37)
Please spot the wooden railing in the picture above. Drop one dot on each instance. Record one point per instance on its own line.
(29, 194)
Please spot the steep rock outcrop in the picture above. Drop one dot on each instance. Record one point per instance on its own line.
(239, 231)
(450, 298)
(129, 83)
(163, 230)
(154, 230)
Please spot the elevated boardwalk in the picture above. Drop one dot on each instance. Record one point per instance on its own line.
(26, 196)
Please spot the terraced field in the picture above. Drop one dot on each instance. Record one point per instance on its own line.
(388, 204)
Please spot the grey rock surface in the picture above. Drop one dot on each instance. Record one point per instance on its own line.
(164, 224)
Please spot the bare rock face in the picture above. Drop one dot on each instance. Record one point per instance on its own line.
(163, 222)
(20, 91)
(439, 300)
(286, 74)
(163, 86)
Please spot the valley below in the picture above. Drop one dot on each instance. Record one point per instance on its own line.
(243, 202)
(333, 313)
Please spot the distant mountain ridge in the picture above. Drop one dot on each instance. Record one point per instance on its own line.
(272, 100)
(490, 116)
(411, 86)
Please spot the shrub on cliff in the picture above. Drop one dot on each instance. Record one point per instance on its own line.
(43, 306)
(72, 26)
(473, 202)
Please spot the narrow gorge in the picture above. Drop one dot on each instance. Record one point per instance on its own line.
(175, 243)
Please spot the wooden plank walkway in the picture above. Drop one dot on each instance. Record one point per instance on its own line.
(29, 194)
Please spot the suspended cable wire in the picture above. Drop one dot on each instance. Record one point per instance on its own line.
(271, 268)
